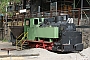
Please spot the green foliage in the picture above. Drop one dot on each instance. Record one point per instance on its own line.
(4, 40)
(10, 13)
(2, 7)
(16, 1)
(4, 3)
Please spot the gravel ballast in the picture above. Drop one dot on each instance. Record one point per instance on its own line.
(43, 54)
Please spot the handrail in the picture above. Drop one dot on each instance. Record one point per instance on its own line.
(22, 44)
(18, 38)
(21, 39)
(20, 35)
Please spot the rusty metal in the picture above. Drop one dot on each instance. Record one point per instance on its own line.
(50, 13)
(8, 49)
(23, 16)
(18, 29)
(79, 16)
(59, 11)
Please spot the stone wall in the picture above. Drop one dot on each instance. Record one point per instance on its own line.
(85, 31)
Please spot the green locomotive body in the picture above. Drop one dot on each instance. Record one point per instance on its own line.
(34, 31)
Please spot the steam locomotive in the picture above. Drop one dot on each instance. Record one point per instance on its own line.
(57, 34)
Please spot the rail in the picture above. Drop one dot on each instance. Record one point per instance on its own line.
(74, 13)
(51, 13)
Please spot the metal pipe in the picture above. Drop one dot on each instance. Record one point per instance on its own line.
(74, 5)
(81, 8)
(56, 8)
(6, 20)
(78, 16)
(2, 56)
(38, 9)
